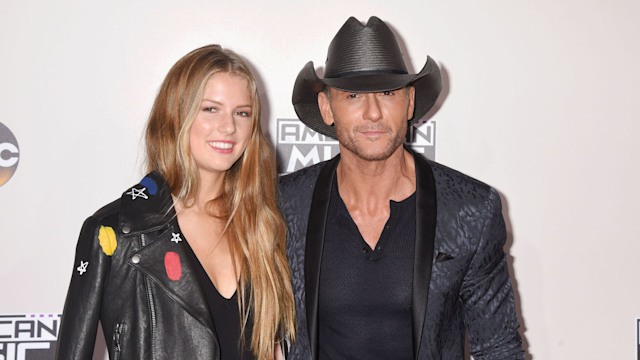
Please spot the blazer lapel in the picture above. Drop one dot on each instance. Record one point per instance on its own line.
(425, 238)
(313, 247)
(165, 262)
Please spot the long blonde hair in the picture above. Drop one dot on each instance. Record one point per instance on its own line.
(254, 226)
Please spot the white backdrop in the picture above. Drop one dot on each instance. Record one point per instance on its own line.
(542, 102)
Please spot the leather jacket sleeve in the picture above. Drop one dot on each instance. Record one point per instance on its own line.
(487, 297)
(84, 298)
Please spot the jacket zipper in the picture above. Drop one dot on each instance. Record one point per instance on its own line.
(152, 309)
(116, 341)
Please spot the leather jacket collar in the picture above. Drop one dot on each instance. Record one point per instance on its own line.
(147, 206)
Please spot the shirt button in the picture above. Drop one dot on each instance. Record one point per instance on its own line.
(126, 229)
(135, 259)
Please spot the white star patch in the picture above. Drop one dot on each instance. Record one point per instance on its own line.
(136, 193)
(176, 237)
(83, 267)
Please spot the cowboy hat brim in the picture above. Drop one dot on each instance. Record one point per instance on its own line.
(427, 84)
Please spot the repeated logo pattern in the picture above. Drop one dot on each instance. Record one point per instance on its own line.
(298, 146)
(28, 336)
(9, 154)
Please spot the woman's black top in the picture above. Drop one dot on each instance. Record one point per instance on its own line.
(226, 317)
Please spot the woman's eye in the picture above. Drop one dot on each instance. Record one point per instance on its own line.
(243, 113)
(210, 109)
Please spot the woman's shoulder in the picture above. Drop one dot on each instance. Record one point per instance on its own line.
(140, 206)
(107, 212)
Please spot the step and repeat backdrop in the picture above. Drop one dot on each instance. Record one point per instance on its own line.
(540, 100)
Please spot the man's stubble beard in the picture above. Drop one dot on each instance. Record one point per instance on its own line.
(359, 149)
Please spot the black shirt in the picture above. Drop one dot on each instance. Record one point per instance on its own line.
(365, 295)
(226, 317)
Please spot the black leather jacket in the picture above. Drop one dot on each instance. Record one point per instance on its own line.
(145, 293)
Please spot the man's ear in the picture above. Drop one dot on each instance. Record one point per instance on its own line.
(325, 108)
(412, 101)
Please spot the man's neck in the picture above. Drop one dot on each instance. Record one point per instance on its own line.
(367, 186)
(372, 183)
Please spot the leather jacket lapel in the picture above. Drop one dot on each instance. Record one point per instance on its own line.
(147, 211)
(425, 237)
(165, 262)
(313, 247)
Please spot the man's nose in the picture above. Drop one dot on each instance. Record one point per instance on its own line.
(372, 110)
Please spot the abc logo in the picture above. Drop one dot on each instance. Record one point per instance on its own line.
(9, 154)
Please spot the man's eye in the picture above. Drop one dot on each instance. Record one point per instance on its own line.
(389, 92)
(352, 96)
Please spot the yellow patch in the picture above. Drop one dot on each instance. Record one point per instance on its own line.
(108, 241)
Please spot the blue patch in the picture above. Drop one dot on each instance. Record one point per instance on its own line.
(150, 184)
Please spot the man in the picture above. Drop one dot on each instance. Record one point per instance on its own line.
(393, 256)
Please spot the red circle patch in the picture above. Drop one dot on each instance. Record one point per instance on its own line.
(172, 265)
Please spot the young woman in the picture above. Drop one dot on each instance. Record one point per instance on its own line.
(189, 263)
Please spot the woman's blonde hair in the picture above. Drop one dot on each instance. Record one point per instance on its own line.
(254, 226)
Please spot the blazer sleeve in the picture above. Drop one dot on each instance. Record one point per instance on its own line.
(486, 293)
(81, 312)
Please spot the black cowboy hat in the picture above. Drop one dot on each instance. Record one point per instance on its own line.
(363, 58)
